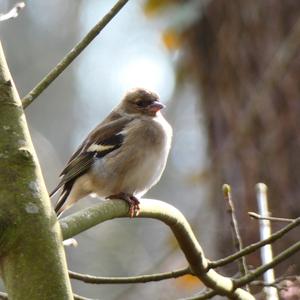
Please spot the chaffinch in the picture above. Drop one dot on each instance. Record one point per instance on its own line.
(123, 157)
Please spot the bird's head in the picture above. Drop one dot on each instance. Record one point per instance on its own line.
(141, 101)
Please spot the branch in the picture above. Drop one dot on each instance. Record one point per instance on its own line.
(253, 247)
(130, 288)
(260, 270)
(77, 297)
(237, 239)
(203, 296)
(168, 214)
(13, 13)
(133, 279)
(277, 283)
(256, 216)
(67, 60)
(209, 294)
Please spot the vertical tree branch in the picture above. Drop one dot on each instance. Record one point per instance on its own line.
(33, 264)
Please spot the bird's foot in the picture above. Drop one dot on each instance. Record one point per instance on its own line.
(133, 202)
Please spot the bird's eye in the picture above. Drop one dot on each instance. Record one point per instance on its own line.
(143, 103)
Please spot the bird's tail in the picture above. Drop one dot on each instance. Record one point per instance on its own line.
(55, 190)
(59, 207)
(62, 198)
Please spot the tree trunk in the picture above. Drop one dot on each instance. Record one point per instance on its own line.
(33, 264)
(246, 63)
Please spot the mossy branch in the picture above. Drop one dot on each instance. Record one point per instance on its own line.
(32, 263)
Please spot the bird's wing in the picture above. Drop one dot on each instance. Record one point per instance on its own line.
(104, 139)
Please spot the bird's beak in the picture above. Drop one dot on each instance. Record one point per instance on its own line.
(156, 106)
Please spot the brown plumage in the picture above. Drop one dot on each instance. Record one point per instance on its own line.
(123, 157)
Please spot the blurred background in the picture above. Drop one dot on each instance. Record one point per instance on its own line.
(228, 72)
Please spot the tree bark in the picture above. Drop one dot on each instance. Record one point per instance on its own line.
(33, 263)
(245, 60)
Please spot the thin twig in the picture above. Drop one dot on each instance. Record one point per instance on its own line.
(13, 13)
(202, 296)
(253, 247)
(237, 239)
(257, 216)
(130, 288)
(78, 297)
(70, 243)
(66, 61)
(265, 284)
(276, 283)
(133, 279)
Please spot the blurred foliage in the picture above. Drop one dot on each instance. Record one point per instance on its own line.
(189, 282)
(153, 6)
(171, 39)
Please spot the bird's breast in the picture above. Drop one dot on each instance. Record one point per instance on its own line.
(138, 164)
(150, 141)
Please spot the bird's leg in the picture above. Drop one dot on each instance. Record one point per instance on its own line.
(133, 202)
(135, 206)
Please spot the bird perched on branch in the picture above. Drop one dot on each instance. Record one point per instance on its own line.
(123, 157)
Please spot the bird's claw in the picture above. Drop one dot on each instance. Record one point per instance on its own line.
(133, 202)
(134, 207)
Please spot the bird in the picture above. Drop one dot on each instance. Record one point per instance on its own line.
(123, 157)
